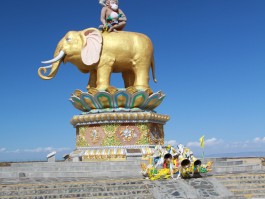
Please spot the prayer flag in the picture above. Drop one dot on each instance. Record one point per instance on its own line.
(202, 141)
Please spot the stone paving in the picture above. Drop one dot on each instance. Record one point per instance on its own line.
(73, 188)
(112, 188)
(190, 188)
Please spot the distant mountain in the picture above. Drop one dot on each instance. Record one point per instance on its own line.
(239, 154)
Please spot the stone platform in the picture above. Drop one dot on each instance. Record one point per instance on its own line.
(231, 178)
(95, 170)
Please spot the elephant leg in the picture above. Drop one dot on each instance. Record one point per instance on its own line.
(92, 79)
(128, 78)
(103, 76)
(141, 77)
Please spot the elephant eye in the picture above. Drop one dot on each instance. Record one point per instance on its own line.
(68, 39)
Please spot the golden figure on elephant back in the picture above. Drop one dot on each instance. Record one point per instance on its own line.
(112, 17)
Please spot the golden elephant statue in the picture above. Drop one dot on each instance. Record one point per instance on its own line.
(101, 54)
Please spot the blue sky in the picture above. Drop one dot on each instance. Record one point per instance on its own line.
(210, 62)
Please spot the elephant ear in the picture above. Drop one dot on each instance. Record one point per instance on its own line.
(92, 46)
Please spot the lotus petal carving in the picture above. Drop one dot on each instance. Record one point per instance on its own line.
(121, 99)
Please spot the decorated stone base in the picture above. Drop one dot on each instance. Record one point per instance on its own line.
(109, 136)
(117, 125)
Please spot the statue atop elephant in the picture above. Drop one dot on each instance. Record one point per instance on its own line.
(112, 17)
(101, 54)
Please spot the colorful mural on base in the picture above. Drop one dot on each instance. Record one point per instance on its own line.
(119, 134)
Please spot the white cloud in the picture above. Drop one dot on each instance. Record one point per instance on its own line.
(173, 143)
(16, 151)
(213, 141)
(40, 149)
(207, 142)
(259, 140)
(62, 149)
(219, 146)
(37, 150)
(193, 144)
(2, 150)
(46, 149)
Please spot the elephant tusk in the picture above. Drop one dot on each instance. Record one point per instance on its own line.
(57, 58)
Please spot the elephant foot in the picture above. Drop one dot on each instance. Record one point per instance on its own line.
(149, 91)
(131, 89)
(111, 90)
(92, 90)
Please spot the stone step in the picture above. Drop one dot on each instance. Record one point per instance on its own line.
(76, 164)
(69, 190)
(249, 185)
(51, 184)
(62, 174)
(68, 168)
(241, 177)
(252, 195)
(103, 194)
(78, 193)
(215, 159)
(235, 175)
(228, 163)
(236, 168)
(242, 183)
(248, 191)
(129, 188)
(143, 196)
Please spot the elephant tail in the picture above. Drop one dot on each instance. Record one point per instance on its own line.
(153, 69)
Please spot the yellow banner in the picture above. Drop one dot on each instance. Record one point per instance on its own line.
(202, 141)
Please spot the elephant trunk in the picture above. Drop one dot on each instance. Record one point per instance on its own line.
(56, 61)
(54, 68)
